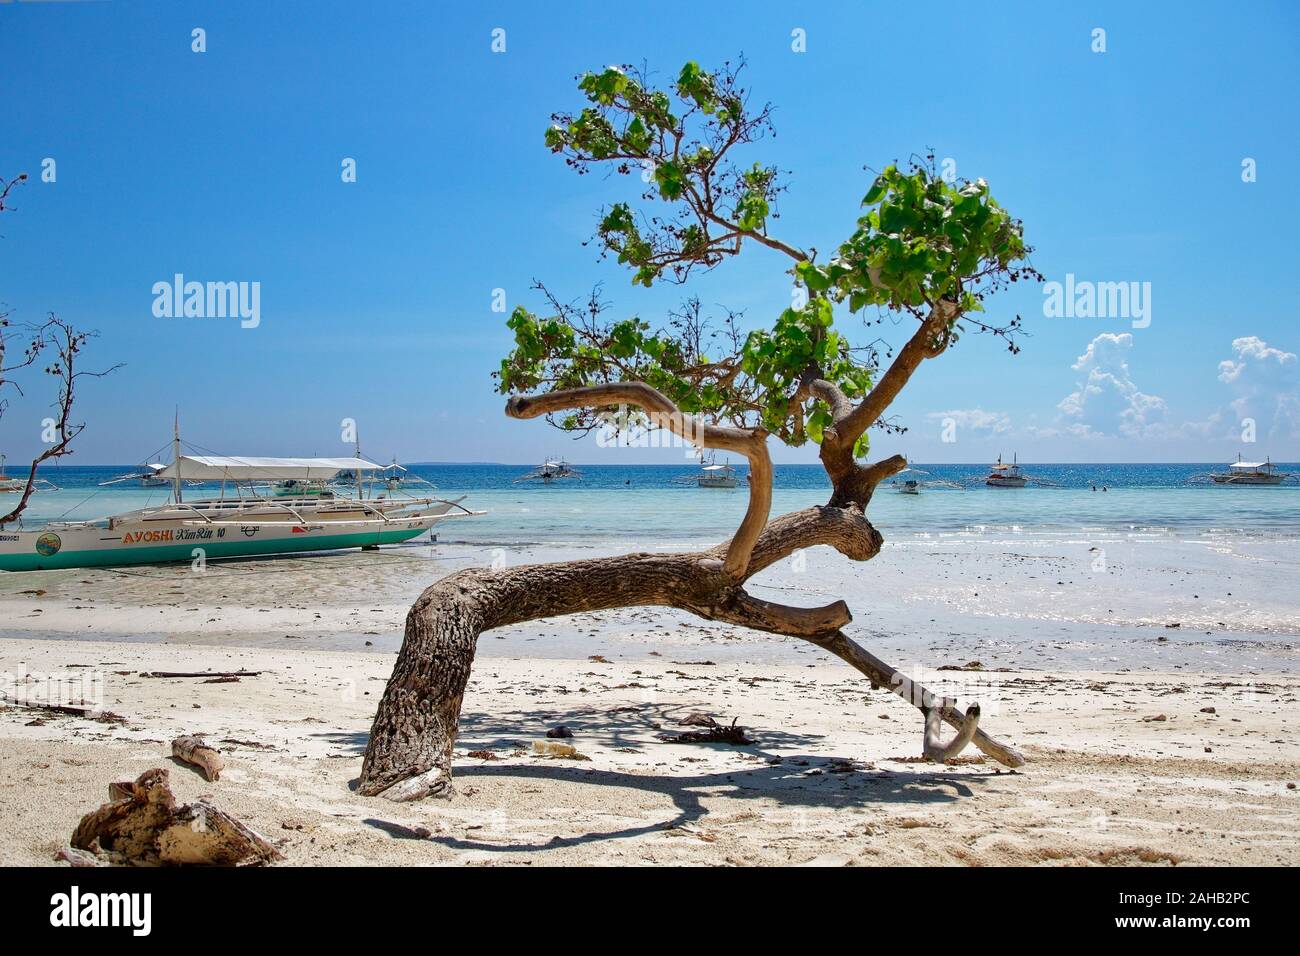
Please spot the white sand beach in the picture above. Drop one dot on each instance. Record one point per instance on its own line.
(1126, 765)
(1124, 769)
(1146, 743)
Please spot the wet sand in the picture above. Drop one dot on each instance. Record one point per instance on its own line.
(1057, 603)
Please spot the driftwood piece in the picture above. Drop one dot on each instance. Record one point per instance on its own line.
(121, 790)
(240, 673)
(934, 748)
(66, 710)
(195, 750)
(713, 732)
(147, 828)
(557, 750)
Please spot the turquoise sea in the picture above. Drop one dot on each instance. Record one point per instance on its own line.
(643, 505)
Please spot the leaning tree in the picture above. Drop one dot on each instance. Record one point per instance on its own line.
(925, 249)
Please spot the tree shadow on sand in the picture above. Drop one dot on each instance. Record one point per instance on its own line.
(786, 783)
(794, 779)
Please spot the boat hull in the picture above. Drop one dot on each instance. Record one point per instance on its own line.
(1005, 482)
(90, 547)
(1248, 479)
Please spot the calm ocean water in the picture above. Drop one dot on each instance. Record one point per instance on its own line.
(641, 505)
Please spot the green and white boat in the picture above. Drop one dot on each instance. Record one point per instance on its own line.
(240, 522)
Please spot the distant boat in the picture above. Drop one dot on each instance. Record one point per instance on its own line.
(711, 475)
(147, 476)
(913, 483)
(301, 488)
(16, 486)
(1247, 473)
(1003, 475)
(551, 470)
(392, 476)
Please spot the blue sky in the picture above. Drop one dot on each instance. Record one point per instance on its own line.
(375, 295)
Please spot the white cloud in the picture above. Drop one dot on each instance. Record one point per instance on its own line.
(1266, 385)
(1107, 402)
(975, 420)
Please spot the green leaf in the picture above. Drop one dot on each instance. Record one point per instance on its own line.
(877, 190)
(668, 175)
(814, 278)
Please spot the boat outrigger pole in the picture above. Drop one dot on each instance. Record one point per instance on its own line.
(176, 455)
(361, 494)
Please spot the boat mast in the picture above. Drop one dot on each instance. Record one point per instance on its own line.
(176, 456)
(360, 491)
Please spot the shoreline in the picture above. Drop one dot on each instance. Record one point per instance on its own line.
(1062, 605)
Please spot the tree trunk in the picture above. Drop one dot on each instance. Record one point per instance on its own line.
(410, 746)
(409, 753)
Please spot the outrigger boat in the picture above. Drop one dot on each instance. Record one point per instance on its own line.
(551, 470)
(388, 476)
(392, 475)
(711, 475)
(147, 476)
(1003, 475)
(912, 485)
(243, 525)
(1247, 473)
(16, 486)
(300, 488)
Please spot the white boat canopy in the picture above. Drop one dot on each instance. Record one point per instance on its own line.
(221, 468)
(1248, 464)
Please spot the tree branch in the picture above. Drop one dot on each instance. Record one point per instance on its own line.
(882, 675)
(749, 611)
(69, 343)
(847, 530)
(927, 342)
(832, 395)
(877, 472)
(750, 442)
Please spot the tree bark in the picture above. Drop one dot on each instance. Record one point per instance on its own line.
(409, 753)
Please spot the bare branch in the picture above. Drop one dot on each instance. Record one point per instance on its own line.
(67, 343)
